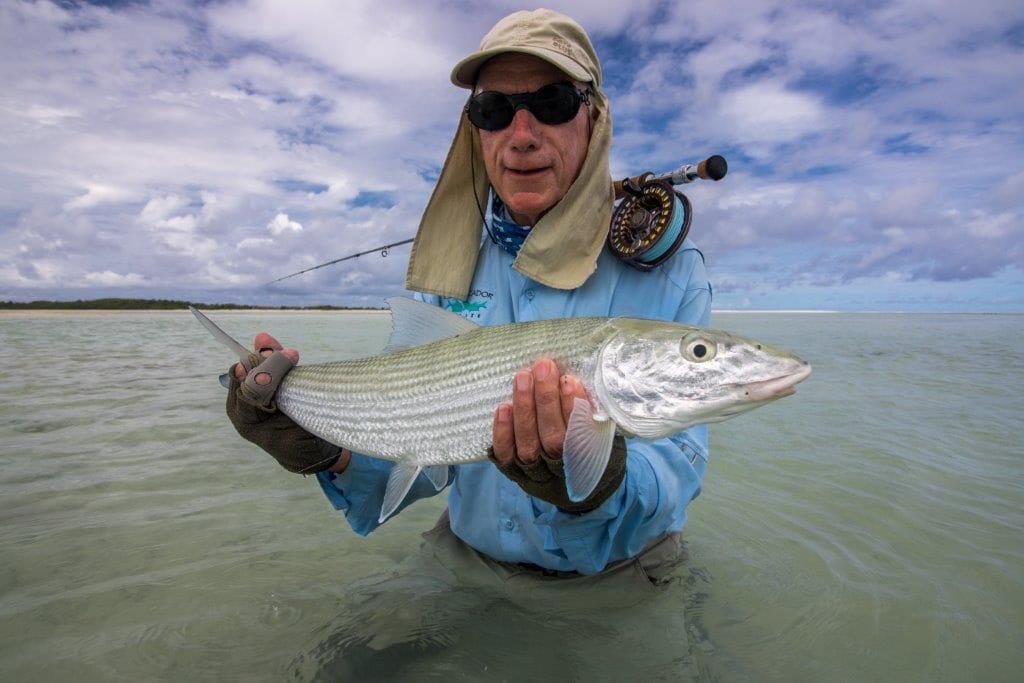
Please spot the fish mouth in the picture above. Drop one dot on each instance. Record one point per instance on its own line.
(777, 387)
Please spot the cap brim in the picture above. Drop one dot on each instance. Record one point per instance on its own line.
(465, 72)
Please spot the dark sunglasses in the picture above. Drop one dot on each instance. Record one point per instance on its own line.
(552, 105)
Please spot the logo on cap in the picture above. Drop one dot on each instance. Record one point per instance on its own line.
(562, 45)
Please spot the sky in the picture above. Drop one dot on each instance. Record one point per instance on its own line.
(197, 150)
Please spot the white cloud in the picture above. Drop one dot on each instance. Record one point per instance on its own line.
(159, 209)
(1010, 191)
(109, 278)
(50, 116)
(768, 113)
(282, 224)
(359, 38)
(98, 194)
(254, 243)
(987, 226)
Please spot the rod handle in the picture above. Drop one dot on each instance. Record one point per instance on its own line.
(713, 168)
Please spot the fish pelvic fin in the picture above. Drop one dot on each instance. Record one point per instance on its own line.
(222, 336)
(438, 475)
(586, 449)
(400, 482)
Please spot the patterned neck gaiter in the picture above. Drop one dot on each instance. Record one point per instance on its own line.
(509, 234)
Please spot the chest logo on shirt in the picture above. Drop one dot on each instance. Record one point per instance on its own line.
(470, 308)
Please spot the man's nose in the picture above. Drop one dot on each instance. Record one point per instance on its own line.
(524, 129)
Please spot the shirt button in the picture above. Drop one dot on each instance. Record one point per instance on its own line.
(528, 294)
(509, 524)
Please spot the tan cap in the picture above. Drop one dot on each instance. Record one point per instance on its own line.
(543, 33)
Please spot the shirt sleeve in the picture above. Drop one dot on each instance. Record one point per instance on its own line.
(359, 491)
(662, 476)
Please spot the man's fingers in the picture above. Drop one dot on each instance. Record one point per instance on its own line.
(503, 439)
(263, 342)
(550, 423)
(263, 378)
(291, 354)
(524, 418)
(265, 345)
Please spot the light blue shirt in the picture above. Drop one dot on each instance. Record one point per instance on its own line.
(490, 512)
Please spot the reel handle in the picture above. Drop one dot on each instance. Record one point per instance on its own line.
(713, 168)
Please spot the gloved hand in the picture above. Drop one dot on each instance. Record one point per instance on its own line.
(528, 436)
(252, 411)
(545, 479)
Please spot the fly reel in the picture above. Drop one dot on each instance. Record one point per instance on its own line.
(650, 223)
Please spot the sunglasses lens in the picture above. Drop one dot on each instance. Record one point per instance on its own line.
(555, 104)
(552, 105)
(490, 111)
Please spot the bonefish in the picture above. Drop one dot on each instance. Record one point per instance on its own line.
(427, 400)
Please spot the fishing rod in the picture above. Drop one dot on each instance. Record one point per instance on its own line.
(647, 226)
(382, 249)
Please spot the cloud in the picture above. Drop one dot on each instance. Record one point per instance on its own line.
(763, 115)
(158, 209)
(96, 195)
(194, 150)
(282, 224)
(109, 278)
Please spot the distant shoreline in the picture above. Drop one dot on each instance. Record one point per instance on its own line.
(127, 304)
(85, 312)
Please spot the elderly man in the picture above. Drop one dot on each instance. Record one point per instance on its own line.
(531, 151)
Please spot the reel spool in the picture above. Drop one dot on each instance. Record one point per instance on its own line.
(649, 224)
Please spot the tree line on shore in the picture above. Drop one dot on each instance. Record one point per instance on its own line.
(147, 305)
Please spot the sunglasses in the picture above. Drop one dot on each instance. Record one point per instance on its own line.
(552, 105)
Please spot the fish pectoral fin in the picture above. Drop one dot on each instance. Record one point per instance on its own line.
(399, 482)
(438, 475)
(586, 449)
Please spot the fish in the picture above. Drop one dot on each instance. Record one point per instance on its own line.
(427, 400)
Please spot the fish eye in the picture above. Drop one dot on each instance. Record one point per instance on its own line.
(698, 349)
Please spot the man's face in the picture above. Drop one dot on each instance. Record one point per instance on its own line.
(530, 164)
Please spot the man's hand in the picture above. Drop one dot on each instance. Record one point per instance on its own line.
(528, 435)
(252, 411)
(534, 423)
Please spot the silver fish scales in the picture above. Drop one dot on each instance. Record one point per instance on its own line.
(433, 404)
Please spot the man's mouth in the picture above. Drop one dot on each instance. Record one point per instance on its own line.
(527, 172)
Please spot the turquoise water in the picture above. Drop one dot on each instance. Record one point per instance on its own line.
(870, 527)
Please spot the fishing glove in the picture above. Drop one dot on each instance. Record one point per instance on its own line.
(545, 479)
(251, 409)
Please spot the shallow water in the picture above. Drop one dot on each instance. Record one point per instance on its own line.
(869, 527)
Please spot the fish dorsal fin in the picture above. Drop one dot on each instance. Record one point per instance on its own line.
(414, 323)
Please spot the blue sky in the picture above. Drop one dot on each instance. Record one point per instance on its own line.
(196, 151)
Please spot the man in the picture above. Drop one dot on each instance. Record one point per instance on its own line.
(533, 141)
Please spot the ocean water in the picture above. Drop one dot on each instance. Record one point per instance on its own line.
(871, 527)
